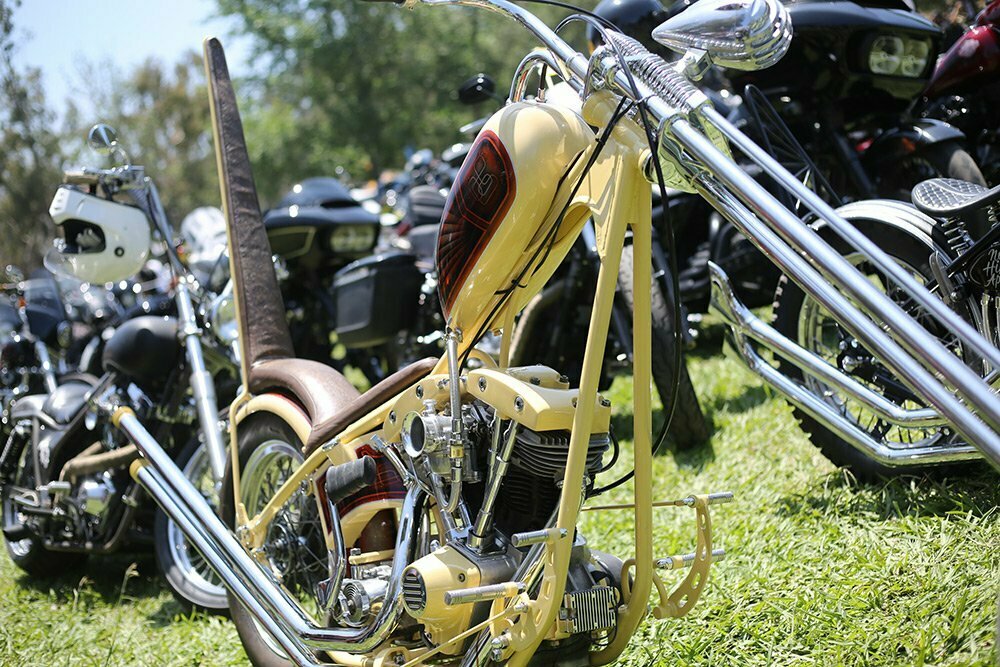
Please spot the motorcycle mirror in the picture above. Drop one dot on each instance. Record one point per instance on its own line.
(738, 34)
(13, 274)
(479, 88)
(102, 139)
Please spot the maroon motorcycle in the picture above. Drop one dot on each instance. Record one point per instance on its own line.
(965, 89)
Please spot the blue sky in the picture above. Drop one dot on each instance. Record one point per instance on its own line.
(57, 35)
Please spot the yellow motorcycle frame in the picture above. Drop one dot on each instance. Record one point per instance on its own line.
(562, 171)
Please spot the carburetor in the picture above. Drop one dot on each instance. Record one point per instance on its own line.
(427, 435)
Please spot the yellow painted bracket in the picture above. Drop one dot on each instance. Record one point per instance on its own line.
(684, 597)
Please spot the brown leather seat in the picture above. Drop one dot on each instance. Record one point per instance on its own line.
(328, 427)
(319, 389)
(266, 347)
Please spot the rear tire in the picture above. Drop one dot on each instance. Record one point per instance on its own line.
(689, 428)
(265, 435)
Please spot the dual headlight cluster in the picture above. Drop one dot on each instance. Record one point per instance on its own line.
(894, 55)
(352, 238)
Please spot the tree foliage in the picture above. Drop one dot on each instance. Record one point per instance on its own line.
(30, 156)
(162, 118)
(354, 84)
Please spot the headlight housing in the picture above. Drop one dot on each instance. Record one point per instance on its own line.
(352, 238)
(893, 55)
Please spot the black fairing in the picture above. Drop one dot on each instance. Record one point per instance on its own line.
(145, 350)
(43, 322)
(826, 64)
(9, 319)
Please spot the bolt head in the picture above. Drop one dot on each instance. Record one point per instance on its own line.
(482, 384)
(420, 391)
(392, 416)
(518, 403)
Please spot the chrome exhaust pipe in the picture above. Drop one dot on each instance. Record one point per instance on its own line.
(744, 322)
(743, 326)
(169, 487)
(964, 411)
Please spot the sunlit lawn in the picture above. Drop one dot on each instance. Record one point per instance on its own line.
(820, 569)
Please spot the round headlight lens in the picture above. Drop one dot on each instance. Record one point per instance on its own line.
(885, 55)
(915, 56)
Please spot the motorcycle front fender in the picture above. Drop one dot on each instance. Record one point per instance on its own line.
(903, 140)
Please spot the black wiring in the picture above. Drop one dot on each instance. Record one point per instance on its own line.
(601, 25)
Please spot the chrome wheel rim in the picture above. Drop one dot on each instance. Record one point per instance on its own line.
(191, 564)
(290, 547)
(821, 334)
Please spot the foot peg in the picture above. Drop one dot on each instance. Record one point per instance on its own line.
(685, 560)
(481, 593)
(683, 598)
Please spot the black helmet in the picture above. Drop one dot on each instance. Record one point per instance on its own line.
(636, 18)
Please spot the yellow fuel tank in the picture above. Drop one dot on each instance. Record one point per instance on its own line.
(502, 205)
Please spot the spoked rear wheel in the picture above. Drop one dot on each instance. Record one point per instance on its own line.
(269, 453)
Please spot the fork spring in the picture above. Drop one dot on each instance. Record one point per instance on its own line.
(655, 72)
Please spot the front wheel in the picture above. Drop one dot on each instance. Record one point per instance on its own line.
(689, 428)
(191, 579)
(294, 547)
(799, 317)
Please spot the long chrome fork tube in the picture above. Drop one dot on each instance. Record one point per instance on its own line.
(744, 325)
(176, 489)
(858, 240)
(817, 283)
(202, 385)
(153, 483)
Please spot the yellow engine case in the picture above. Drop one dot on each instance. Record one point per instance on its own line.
(429, 578)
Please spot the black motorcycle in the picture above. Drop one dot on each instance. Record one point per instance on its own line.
(317, 229)
(65, 489)
(836, 111)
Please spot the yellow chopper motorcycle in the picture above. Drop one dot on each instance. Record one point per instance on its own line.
(433, 519)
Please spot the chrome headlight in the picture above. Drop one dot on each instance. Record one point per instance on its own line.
(352, 238)
(899, 56)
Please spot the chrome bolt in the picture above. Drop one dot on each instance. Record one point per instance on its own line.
(392, 416)
(420, 391)
(518, 403)
(605, 402)
(482, 384)
(535, 381)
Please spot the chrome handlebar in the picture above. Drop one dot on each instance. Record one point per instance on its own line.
(688, 126)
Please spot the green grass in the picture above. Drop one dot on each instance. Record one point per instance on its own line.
(821, 570)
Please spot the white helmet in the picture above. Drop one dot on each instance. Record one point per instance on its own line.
(103, 241)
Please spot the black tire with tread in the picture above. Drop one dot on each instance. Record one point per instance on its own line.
(689, 427)
(788, 301)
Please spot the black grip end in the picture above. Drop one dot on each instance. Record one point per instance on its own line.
(346, 479)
